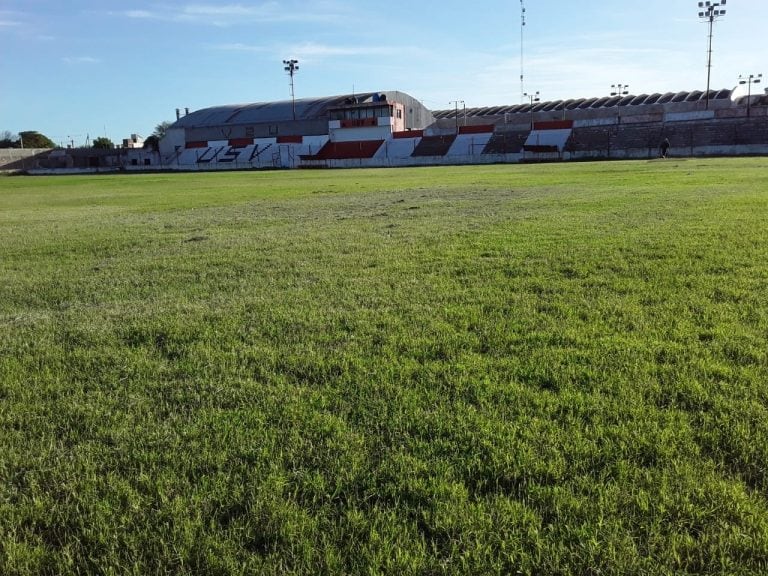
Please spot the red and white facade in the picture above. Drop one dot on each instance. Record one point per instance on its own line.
(375, 120)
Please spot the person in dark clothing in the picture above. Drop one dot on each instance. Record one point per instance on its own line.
(664, 147)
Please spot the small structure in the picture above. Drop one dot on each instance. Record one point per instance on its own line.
(135, 141)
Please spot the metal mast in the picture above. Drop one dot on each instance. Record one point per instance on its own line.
(291, 66)
(522, 52)
(708, 12)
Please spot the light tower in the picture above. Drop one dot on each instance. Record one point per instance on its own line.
(533, 98)
(292, 66)
(619, 90)
(749, 80)
(709, 12)
(456, 113)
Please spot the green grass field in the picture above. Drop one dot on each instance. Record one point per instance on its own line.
(548, 369)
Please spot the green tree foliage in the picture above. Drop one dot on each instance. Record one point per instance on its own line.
(152, 143)
(33, 139)
(161, 129)
(9, 140)
(103, 143)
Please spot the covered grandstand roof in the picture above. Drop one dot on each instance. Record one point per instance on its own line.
(281, 111)
(588, 103)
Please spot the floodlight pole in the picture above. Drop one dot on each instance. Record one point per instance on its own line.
(533, 98)
(291, 66)
(619, 90)
(708, 12)
(749, 80)
(456, 112)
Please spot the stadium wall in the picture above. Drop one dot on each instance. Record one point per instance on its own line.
(21, 158)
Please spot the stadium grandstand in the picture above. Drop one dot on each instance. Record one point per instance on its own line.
(391, 128)
(292, 133)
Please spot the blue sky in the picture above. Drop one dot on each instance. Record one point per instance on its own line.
(85, 67)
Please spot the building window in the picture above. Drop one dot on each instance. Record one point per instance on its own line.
(399, 113)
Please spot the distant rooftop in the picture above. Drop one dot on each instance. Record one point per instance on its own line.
(587, 103)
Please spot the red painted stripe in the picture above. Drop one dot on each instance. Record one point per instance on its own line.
(359, 122)
(553, 125)
(478, 129)
(198, 144)
(240, 142)
(347, 150)
(290, 139)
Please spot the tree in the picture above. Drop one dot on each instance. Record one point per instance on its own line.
(9, 140)
(33, 139)
(152, 143)
(161, 129)
(103, 143)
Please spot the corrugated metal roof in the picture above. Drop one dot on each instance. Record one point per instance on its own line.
(605, 102)
(265, 112)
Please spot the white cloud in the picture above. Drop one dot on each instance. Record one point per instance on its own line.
(141, 14)
(241, 47)
(236, 10)
(9, 19)
(316, 51)
(312, 51)
(224, 15)
(81, 60)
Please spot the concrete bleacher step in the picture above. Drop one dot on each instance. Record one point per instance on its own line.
(434, 145)
(506, 142)
(469, 144)
(590, 138)
(346, 150)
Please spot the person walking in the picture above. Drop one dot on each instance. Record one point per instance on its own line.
(664, 148)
